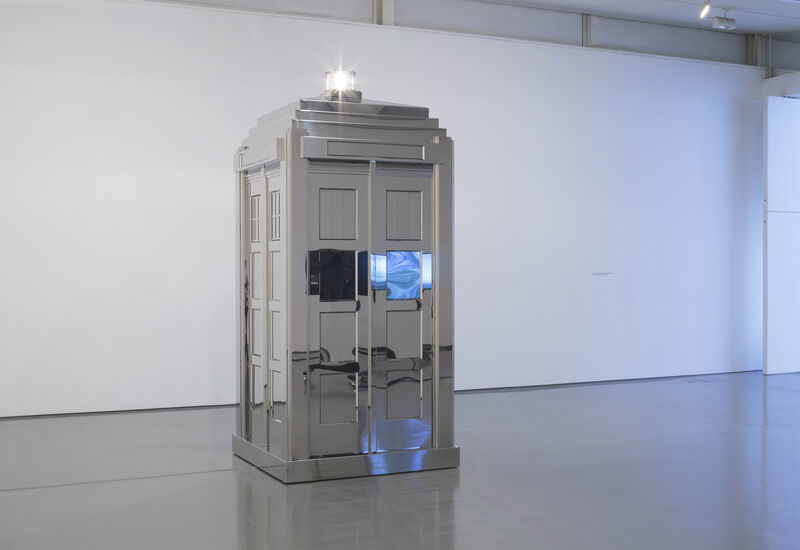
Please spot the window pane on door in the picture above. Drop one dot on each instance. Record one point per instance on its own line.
(403, 277)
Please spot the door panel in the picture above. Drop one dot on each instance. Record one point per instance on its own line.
(369, 273)
(402, 306)
(338, 325)
(256, 282)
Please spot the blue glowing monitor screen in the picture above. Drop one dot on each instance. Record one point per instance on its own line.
(405, 273)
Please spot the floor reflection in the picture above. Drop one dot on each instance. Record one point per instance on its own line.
(413, 510)
(709, 462)
(780, 459)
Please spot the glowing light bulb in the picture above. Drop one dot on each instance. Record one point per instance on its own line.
(340, 80)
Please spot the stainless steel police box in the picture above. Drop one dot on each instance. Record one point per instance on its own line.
(345, 278)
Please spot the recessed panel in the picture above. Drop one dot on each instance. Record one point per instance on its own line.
(378, 271)
(337, 336)
(403, 334)
(256, 276)
(404, 215)
(375, 150)
(276, 276)
(337, 214)
(257, 332)
(258, 385)
(403, 275)
(363, 273)
(278, 386)
(276, 335)
(427, 271)
(332, 275)
(403, 394)
(337, 398)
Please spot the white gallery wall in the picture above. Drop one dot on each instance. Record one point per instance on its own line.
(608, 205)
(783, 236)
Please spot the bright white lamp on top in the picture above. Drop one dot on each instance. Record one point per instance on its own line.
(341, 86)
(340, 80)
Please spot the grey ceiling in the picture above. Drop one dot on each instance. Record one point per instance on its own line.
(753, 16)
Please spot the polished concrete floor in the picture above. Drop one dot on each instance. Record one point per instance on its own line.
(710, 462)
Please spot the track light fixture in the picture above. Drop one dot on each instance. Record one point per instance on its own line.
(705, 9)
(724, 23)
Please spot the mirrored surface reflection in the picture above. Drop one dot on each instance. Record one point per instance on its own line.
(403, 275)
(391, 511)
(778, 504)
(401, 270)
(702, 462)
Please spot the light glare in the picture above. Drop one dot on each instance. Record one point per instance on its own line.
(705, 9)
(340, 80)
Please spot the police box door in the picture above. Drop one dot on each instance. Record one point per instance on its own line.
(401, 301)
(338, 328)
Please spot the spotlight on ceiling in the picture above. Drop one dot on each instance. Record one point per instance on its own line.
(724, 23)
(705, 9)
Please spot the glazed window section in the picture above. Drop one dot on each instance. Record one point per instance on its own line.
(378, 272)
(403, 275)
(427, 271)
(255, 216)
(275, 215)
(333, 275)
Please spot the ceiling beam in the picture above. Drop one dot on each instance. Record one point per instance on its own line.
(787, 85)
